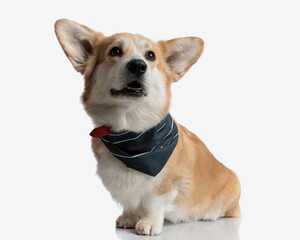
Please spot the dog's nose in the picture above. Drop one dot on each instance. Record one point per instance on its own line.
(137, 66)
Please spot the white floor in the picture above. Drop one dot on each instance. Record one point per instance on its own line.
(225, 229)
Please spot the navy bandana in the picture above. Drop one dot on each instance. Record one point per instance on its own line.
(147, 151)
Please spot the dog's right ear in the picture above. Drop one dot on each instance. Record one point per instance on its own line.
(77, 41)
(180, 54)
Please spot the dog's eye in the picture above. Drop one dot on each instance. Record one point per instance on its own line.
(150, 55)
(115, 51)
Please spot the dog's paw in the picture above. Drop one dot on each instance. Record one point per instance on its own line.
(126, 221)
(144, 227)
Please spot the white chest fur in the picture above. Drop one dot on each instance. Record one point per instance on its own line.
(128, 187)
(131, 188)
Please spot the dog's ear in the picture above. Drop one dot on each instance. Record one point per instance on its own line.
(180, 54)
(77, 41)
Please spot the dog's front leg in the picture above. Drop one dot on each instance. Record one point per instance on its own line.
(151, 223)
(127, 219)
(152, 218)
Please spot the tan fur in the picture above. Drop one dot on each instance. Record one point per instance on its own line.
(206, 188)
(210, 184)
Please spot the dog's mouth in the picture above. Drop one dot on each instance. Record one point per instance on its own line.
(133, 89)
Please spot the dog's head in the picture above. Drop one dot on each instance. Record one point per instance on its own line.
(127, 77)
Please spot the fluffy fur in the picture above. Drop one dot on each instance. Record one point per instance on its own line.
(193, 185)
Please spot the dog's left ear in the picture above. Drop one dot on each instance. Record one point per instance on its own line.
(180, 54)
(77, 41)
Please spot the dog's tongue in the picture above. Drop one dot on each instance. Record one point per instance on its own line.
(134, 84)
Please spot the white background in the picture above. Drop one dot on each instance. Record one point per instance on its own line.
(241, 98)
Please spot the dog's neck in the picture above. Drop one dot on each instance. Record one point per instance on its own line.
(120, 118)
(147, 151)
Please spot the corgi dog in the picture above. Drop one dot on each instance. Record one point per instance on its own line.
(153, 166)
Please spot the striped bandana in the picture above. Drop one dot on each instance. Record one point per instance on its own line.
(147, 151)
